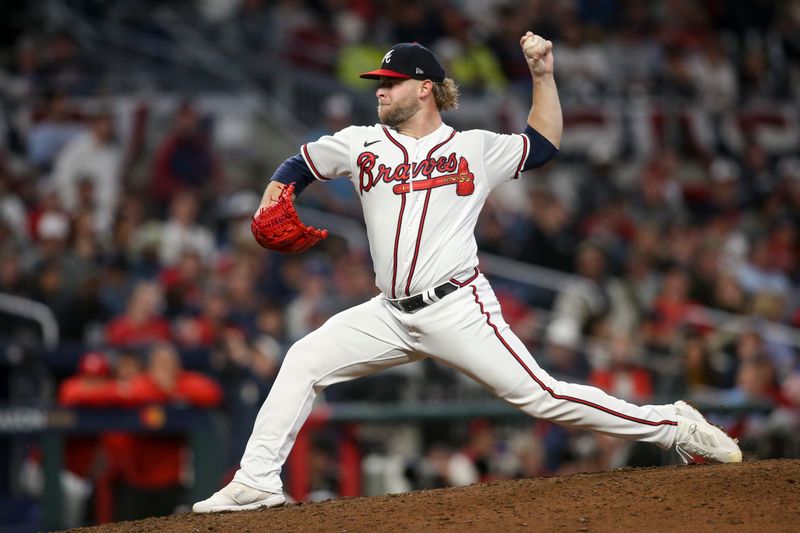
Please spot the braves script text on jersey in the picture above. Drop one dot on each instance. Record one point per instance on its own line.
(421, 199)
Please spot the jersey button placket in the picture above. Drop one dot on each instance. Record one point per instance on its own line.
(413, 207)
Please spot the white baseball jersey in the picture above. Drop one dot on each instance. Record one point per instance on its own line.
(421, 197)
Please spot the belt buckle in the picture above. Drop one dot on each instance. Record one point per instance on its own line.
(412, 304)
(408, 305)
(398, 304)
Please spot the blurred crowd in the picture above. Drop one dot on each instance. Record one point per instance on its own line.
(720, 52)
(679, 259)
(125, 476)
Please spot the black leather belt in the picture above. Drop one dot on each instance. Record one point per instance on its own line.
(415, 303)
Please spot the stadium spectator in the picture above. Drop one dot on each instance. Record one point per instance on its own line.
(253, 26)
(563, 356)
(704, 270)
(185, 161)
(87, 171)
(683, 241)
(671, 311)
(43, 200)
(759, 273)
(22, 77)
(657, 199)
(414, 21)
(152, 479)
(512, 20)
(466, 58)
(782, 243)
(12, 279)
(183, 284)
(596, 293)
(353, 280)
(63, 67)
(245, 370)
(430, 471)
(482, 459)
(633, 50)
(85, 457)
(622, 373)
(116, 284)
(144, 247)
(13, 215)
(550, 241)
(292, 16)
(728, 295)
(314, 44)
(202, 327)
(56, 274)
(529, 455)
(757, 175)
(130, 216)
(127, 365)
(306, 311)
(235, 215)
(583, 66)
(183, 232)
(271, 324)
(716, 83)
(143, 322)
(755, 382)
(640, 279)
(725, 192)
(58, 124)
(116, 444)
(490, 233)
(85, 319)
(700, 374)
(241, 289)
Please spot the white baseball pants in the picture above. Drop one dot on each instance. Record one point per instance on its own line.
(464, 330)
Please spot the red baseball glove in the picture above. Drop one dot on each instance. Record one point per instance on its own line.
(278, 227)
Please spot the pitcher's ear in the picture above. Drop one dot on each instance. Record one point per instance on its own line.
(425, 87)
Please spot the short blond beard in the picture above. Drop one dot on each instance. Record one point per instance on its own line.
(446, 94)
(400, 113)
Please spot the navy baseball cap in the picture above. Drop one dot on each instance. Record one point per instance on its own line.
(408, 60)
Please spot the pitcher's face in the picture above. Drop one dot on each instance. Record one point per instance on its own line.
(397, 101)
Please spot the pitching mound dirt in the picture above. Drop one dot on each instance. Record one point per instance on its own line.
(754, 496)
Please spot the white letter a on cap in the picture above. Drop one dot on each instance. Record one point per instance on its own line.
(388, 57)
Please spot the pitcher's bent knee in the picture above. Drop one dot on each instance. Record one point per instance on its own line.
(301, 358)
(307, 357)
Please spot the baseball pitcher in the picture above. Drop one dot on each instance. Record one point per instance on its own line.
(422, 185)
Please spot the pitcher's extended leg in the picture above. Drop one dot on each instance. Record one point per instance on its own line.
(469, 333)
(354, 343)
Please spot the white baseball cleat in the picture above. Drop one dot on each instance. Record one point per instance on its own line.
(699, 441)
(238, 497)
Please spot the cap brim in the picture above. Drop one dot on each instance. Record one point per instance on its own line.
(383, 73)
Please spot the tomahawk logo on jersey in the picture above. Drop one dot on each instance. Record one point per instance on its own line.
(421, 197)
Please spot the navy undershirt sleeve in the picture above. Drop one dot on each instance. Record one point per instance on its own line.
(541, 150)
(294, 170)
